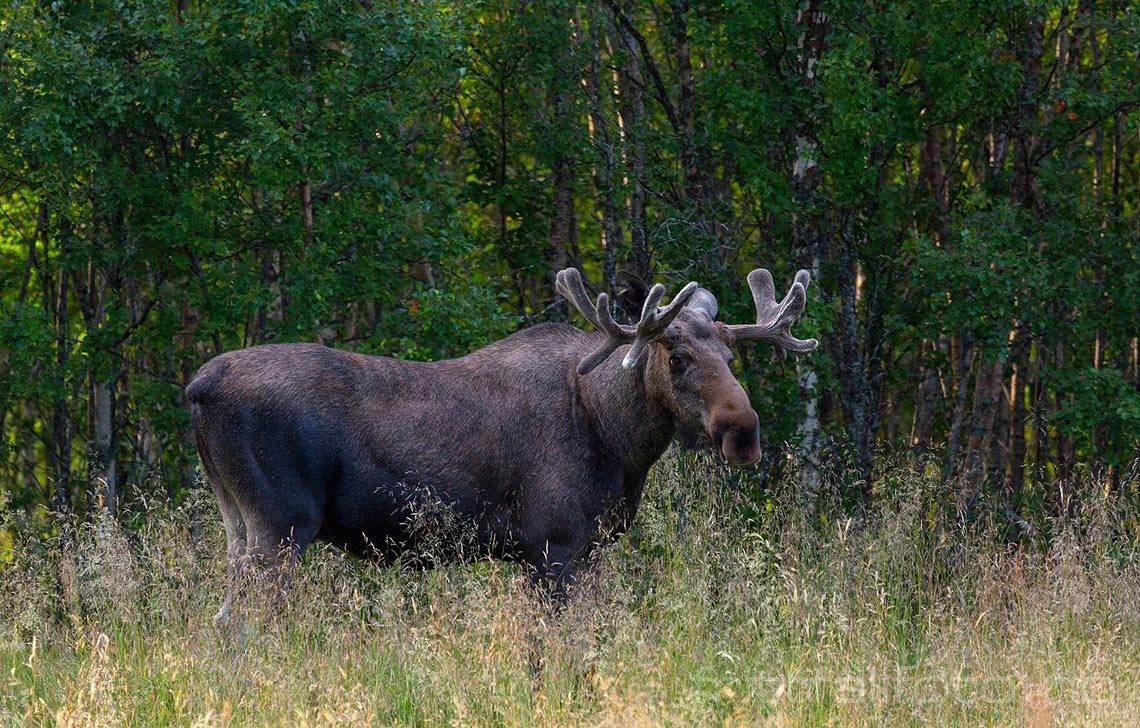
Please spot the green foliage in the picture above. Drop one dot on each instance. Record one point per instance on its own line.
(177, 180)
(1099, 399)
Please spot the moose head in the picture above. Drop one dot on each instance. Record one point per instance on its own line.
(685, 353)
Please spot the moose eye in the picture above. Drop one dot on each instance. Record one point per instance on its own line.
(677, 362)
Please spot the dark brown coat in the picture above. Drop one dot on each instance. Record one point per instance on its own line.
(508, 451)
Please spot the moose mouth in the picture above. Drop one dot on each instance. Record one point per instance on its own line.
(735, 446)
(739, 457)
(693, 438)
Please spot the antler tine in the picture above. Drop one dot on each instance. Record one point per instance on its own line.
(774, 320)
(616, 335)
(569, 283)
(652, 324)
(655, 320)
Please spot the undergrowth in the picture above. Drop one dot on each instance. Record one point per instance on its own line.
(722, 606)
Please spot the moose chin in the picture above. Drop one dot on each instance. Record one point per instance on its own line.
(538, 445)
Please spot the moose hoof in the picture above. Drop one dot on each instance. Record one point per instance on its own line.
(222, 618)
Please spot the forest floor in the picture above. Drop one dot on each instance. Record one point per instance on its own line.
(720, 608)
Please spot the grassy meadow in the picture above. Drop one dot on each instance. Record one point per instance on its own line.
(722, 607)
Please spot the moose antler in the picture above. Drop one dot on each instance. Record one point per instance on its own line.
(774, 319)
(653, 321)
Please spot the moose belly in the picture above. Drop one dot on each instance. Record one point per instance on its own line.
(383, 518)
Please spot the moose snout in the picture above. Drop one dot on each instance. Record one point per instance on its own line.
(736, 436)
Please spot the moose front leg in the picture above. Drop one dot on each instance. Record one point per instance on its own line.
(554, 568)
(558, 532)
(555, 548)
(555, 571)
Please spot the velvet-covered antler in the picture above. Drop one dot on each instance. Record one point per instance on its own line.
(652, 324)
(773, 320)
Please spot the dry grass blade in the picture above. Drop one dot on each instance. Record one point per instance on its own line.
(711, 611)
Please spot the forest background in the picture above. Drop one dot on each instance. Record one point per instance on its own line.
(962, 179)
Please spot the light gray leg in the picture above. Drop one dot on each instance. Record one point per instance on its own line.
(235, 551)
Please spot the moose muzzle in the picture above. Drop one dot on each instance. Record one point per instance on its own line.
(736, 434)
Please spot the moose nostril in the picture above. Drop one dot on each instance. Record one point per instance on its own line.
(738, 443)
(723, 432)
(719, 443)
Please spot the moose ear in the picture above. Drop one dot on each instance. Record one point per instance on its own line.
(705, 303)
(632, 295)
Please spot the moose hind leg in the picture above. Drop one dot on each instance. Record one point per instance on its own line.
(235, 551)
(285, 520)
(272, 553)
(263, 548)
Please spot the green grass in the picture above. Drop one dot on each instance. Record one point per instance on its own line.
(703, 615)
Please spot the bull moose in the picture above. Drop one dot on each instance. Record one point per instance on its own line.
(540, 443)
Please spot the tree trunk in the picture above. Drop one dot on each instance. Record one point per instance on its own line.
(61, 423)
(106, 463)
(855, 394)
(631, 113)
(925, 404)
(606, 166)
(996, 447)
(957, 420)
(1023, 193)
(987, 400)
(698, 188)
(932, 172)
(563, 221)
(1038, 399)
(1018, 416)
(92, 291)
(809, 238)
(1023, 190)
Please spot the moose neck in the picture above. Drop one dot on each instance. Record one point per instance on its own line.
(634, 426)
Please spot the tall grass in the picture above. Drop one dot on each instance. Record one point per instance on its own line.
(718, 608)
